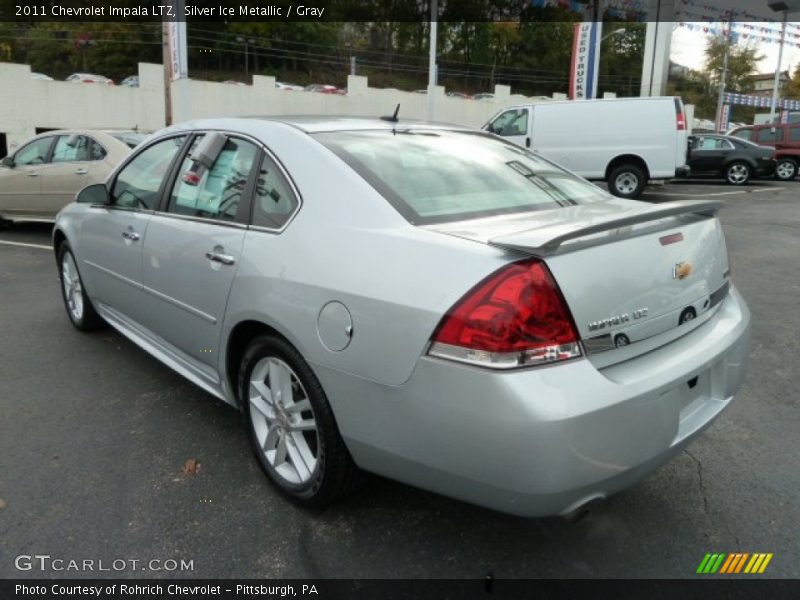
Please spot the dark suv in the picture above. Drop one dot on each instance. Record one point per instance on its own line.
(785, 138)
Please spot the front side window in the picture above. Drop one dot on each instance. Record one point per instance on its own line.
(214, 193)
(34, 153)
(138, 183)
(511, 122)
(77, 148)
(274, 199)
(441, 176)
(744, 134)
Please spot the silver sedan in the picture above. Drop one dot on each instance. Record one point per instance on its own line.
(428, 303)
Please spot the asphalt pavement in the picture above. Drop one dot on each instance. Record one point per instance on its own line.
(95, 436)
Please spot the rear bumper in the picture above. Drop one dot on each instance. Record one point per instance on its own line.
(546, 440)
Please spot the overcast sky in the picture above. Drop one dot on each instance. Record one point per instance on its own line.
(688, 48)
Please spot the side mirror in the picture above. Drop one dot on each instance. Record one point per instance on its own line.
(8, 161)
(93, 194)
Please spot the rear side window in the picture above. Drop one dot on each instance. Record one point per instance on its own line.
(744, 134)
(275, 201)
(217, 192)
(441, 176)
(139, 182)
(77, 148)
(34, 153)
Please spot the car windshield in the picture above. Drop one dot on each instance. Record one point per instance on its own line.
(435, 176)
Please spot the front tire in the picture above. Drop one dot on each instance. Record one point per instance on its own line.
(738, 173)
(80, 311)
(291, 425)
(627, 181)
(786, 169)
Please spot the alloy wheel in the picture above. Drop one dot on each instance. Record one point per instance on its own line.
(73, 291)
(283, 420)
(786, 170)
(738, 174)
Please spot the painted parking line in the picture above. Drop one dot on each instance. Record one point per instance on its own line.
(705, 194)
(42, 246)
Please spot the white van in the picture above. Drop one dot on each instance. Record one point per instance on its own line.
(624, 141)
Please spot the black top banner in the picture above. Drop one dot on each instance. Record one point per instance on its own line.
(31, 11)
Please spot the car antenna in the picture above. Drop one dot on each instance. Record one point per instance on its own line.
(393, 118)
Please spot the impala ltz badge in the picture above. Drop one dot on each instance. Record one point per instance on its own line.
(682, 270)
(618, 319)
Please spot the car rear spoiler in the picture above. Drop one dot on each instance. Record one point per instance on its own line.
(545, 241)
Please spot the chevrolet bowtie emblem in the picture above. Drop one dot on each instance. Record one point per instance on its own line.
(682, 270)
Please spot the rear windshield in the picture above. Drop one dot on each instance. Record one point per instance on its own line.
(442, 176)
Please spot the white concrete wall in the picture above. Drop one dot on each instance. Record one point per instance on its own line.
(27, 104)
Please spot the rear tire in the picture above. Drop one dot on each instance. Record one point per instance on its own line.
(80, 311)
(291, 425)
(785, 169)
(627, 181)
(738, 173)
(5, 223)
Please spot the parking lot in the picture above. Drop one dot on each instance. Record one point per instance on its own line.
(97, 439)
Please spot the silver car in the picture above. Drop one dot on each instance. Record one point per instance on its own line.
(429, 303)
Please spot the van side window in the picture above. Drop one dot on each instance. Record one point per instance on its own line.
(766, 134)
(511, 122)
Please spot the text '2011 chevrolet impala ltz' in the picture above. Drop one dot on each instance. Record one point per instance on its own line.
(432, 304)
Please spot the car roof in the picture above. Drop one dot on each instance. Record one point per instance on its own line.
(318, 124)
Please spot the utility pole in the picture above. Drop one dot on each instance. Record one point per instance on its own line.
(432, 68)
(722, 77)
(167, 75)
(776, 82)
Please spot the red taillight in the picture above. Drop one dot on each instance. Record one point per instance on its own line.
(516, 317)
(680, 118)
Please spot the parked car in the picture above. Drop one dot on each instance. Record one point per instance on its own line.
(483, 96)
(89, 78)
(41, 76)
(623, 141)
(288, 86)
(457, 95)
(736, 160)
(130, 81)
(234, 82)
(47, 172)
(784, 137)
(321, 88)
(468, 317)
(130, 137)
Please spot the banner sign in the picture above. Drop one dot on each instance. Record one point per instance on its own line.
(760, 101)
(176, 38)
(584, 71)
(724, 118)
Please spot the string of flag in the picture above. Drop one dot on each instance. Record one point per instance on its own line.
(720, 29)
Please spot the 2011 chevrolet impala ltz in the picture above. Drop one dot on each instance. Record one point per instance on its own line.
(429, 303)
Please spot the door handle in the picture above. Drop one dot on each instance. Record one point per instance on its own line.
(225, 259)
(131, 235)
(81, 171)
(527, 142)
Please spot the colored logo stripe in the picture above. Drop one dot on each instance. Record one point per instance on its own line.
(734, 562)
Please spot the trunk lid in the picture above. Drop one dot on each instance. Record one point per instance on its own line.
(635, 275)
